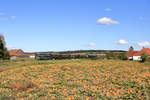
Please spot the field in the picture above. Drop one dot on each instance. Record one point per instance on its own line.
(27, 79)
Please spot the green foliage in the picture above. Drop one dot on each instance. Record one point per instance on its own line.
(109, 55)
(122, 56)
(4, 54)
(92, 56)
(143, 57)
(131, 48)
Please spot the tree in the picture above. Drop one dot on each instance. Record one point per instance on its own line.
(4, 54)
(131, 48)
(1, 47)
(123, 56)
(143, 56)
(109, 55)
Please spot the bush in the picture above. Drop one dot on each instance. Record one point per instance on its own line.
(123, 56)
(109, 55)
(92, 56)
(143, 57)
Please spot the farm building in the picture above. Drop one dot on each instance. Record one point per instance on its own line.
(130, 54)
(136, 55)
(18, 53)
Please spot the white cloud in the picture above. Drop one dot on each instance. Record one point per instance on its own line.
(143, 44)
(3, 18)
(91, 44)
(106, 21)
(107, 9)
(1, 13)
(13, 17)
(122, 42)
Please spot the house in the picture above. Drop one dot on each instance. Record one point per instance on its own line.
(130, 54)
(18, 53)
(136, 55)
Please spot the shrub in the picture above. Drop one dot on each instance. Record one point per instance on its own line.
(123, 56)
(92, 56)
(143, 57)
(109, 55)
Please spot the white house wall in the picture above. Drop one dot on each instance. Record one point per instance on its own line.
(138, 58)
(130, 58)
(32, 56)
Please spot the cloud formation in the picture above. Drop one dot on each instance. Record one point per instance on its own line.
(123, 42)
(91, 44)
(106, 21)
(143, 44)
(13, 17)
(107, 9)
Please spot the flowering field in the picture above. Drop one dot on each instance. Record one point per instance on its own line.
(75, 80)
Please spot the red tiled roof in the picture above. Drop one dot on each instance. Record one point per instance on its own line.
(21, 55)
(146, 50)
(138, 53)
(14, 52)
(131, 53)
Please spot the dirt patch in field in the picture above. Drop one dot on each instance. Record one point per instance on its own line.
(20, 86)
(2, 69)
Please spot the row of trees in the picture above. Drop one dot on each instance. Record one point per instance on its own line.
(121, 56)
(4, 54)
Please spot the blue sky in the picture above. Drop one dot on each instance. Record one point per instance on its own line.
(56, 25)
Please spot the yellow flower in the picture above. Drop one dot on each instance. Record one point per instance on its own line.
(30, 95)
(87, 98)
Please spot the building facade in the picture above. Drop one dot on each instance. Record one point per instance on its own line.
(18, 53)
(136, 55)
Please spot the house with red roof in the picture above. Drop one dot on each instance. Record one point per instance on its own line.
(136, 55)
(18, 53)
(130, 54)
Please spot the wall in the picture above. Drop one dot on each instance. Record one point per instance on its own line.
(138, 58)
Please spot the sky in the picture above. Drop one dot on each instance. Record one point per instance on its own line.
(59, 25)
